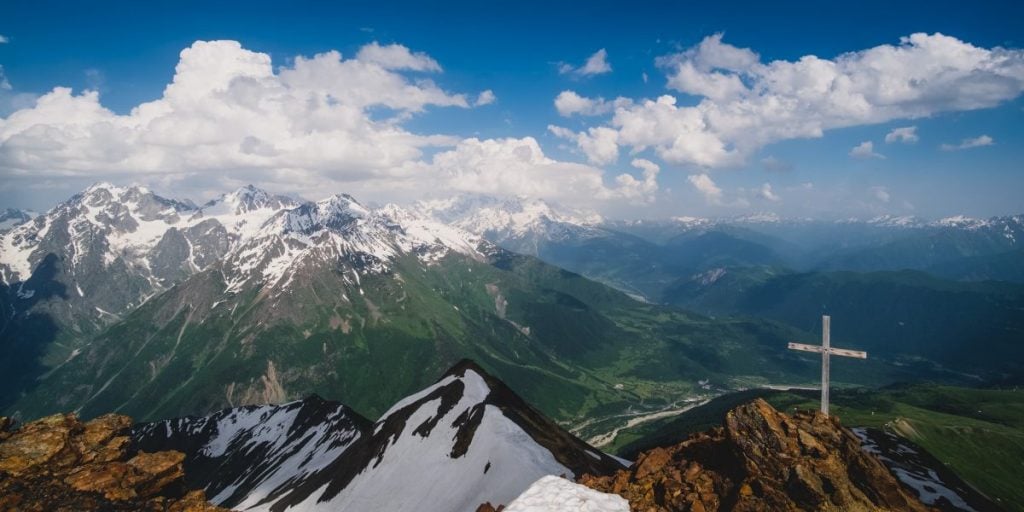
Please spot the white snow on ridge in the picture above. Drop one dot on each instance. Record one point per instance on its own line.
(416, 473)
(896, 221)
(338, 227)
(962, 221)
(556, 494)
(519, 216)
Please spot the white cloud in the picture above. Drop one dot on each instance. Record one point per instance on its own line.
(906, 135)
(397, 57)
(4, 39)
(707, 187)
(323, 123)
(865, 150)
(596, 64)
(485, 98)
(599, 144)
(226, 110)
(520, 167)
(639, 190)
(745, 104)
(974, 142)
(881, 194)
(568, 103)
(766, 193)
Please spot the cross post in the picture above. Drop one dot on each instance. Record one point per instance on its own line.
(826, 351)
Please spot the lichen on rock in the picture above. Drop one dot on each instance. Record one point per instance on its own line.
(761, 460)
(59, 463)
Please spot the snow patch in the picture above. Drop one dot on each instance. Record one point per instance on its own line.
(556, 494)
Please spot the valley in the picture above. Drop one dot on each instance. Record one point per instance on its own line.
(254, 299)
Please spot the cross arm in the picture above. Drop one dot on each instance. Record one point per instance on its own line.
(849, 353)
(806, 348)
(832, 351)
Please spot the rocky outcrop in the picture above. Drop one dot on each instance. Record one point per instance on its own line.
(761, 460)
(59, 463)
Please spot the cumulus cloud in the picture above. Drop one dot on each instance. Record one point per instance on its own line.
(745, 104)
(520, 167)
(865, 150)
(599, 144)
(973, 142)
(906, 135)
(596, 64)
(707, 188)
(323, 123)
(569, 103)
(4, 39)
(766, 193)
(398, 57)
(485, 98)
(227, 110)
(641, 190)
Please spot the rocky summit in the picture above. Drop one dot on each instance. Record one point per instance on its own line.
(761, 460)
(59, 463)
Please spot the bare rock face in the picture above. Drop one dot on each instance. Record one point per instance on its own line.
(58, 463)
(761, 460)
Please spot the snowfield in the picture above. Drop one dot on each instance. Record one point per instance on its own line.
(555, 494)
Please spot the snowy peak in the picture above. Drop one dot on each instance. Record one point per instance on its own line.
(463, 441)
(92, 230)
(337, 212)
(239, 456)
(340, 233)
(897, 221)
(509, 216)
(963, 222)
(249, 198)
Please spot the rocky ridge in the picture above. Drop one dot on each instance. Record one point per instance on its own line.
(59, 463)
(761, 460)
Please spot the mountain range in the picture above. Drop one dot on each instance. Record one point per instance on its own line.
(121, 300)
(236, 315)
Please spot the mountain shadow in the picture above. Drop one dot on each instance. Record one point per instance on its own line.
(26, 332)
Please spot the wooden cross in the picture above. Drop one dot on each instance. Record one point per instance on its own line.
(826, 350)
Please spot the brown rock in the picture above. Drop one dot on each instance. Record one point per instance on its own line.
(762, 460)
(60, 464)
(37, 443)
(108, 479)
(156, 471)
(652, 461)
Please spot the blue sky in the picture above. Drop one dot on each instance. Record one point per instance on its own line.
(128, 52)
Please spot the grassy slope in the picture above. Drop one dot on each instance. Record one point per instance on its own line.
(590, 352)
(911, 313)
(978, 433)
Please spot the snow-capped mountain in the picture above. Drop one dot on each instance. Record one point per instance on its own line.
(518, 224)
(466, 440)
(116, 234)
(338, 229)
(314, 298)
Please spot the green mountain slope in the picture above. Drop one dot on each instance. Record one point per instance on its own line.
(574, 347)
(967, 328)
